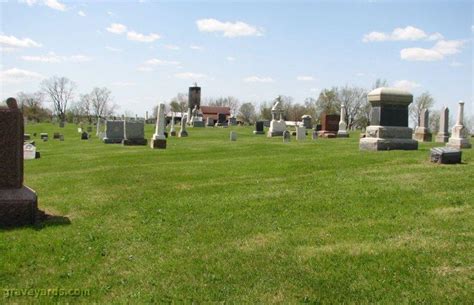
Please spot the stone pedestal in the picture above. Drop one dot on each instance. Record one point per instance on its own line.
(277, 124)
(342, 131)
(422, 132)
(443, 134)
(158, 144)
(389, 121)
(158, 141)
(134, 133)
(459, 135)
(18, 203)
(300, 133)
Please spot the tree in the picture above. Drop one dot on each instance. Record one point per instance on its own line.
(178, 104)
(379, 82)
(354, 99)
(230, 101)
(424, 101)
(61, 92)
(101, 105)
(265, 111)
(327, 102)
(247, 112)
(31, 105)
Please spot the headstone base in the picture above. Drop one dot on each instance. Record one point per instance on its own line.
(275, 134)
(342, 134)
(445, 155)
(18, 207)
(173, 133)
(112, 141)
(182, 134)
(158, 144)
(459, 143)
(258, 132)
(421, 135)
(442, 138)
(134, 142)
(326, 134)
(375, 144)
(198, 124)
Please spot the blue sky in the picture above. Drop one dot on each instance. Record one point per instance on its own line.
(146, 51)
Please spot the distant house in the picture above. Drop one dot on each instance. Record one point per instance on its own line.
(213, 111)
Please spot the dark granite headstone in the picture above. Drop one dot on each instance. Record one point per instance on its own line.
(259, 128)
(389, 115)
(84, 136)
(18, 203)
(329, 125)
(445, 155)
(56, 135)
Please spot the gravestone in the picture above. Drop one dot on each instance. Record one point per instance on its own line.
(221, 120)
(134, 133)
(61, 124)
(18, 203)
(84, 136)
(422, 132)
(29, 151)
(233, 136)
(158, 141)
(259, 128)
(286, 136)
(314, 136)
(79, 130)
(277, 124)
(300, 133)
(56, 135)
(342, 130)
(196, 118)
(44, 136)
(443, 133)
(182, 132)
(232, 121)
(329, 125)
(172, 130)
(389, 121)
(445, 155)
(307, 121)
(61, 137)
(114, 131)
(209, 122)
(459, 134)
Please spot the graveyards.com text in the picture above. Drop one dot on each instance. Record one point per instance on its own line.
(33, 292)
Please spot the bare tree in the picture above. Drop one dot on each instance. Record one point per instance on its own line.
(178, 104)
(424, 101)
(353, 98)
(61, 92)
(379, 82)
(230, 101)
(265, 111)
(247, 112)
(327, 102)
(31, 105)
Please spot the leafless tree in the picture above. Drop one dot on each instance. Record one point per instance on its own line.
(230, 101)
(178, 104)
(247, 113)
(31, 105)
(424, 101)
(99, 104)
(353, 98)
(61, 92)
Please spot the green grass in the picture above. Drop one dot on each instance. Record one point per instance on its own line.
(251, 221)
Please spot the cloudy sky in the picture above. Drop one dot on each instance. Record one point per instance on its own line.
(146, 51)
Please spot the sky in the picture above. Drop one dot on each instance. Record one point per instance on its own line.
(147, 52)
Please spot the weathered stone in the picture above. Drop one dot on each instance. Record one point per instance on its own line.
(445, 155)
(300, 133)
(307, 121)
(84, 136)
(460, 134)
(342, 131)
(388, 128)
(158, 141)
(286, 136)
(314, 135)
(172, 130)
(422, 132)
(182, 132)
(443, 133)
(114, 131)
(259, 129)
(56, 135)
(134, 133)
(18, 203)
(329, 125)
(233, 136)
(277, 124)
(210, 122)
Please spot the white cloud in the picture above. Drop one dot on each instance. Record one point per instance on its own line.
(14, 43)
(230, 58)
(113, 49)
(441, 49)
(54, 4)
(257, 79)
(145, 69)
(117, 28)
(305, 78)
(16, 75)
(123, 84)
(399, 34)
(406, 84)
(159, 62)
(53, 58)
(190, 75)
(198, 48)
(81, 13)
(172, 47)
(229, 29)
(132, 35)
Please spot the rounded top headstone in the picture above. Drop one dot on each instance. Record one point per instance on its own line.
(390, 95)
(11, 103)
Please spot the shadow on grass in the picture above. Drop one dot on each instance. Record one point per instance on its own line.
(47, 220)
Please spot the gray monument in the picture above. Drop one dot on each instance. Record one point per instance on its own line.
(194, 100)
(233, 136)
(443, 133)
(134, 133)
(182, 132)
(422, 132)
(286, 136)
(307, 121)
(342, 131)
(172, 130)
(158, 141)
(459, 134)
(388, 128)
(114, 131)
(259, 129)
(277, 125)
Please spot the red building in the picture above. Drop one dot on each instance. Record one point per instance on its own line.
(213, 112)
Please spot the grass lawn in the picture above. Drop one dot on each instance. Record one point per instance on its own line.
(251, 221)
